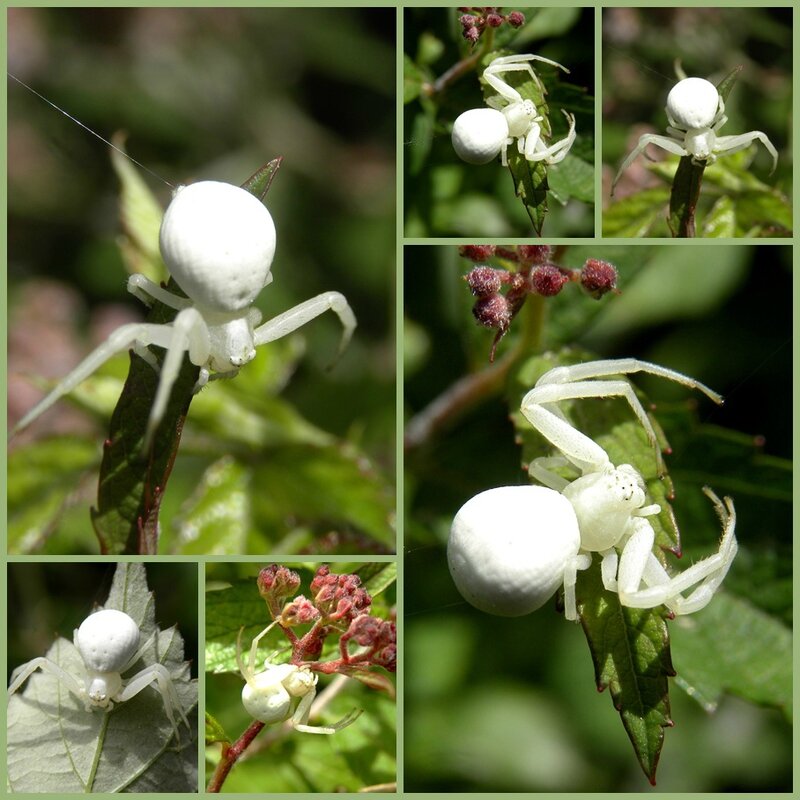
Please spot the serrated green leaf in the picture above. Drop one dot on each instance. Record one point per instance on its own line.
(684, 197)
(730, 646)
(631, 654)
(530, 185)
(572, 177)
(56, 745)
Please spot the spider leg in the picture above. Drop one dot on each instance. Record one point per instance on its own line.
(708, 572)
(664, 142)
(622, 366)
(300, 717)
(557, 152)
(146, 290)
(298, 316)
(187, 332)
(731, 144)
(254, 649)
(24, 671)
(492, 77)
(121, 339)
(158, 674)
(575, 448)
(579, 562)
(540, 469)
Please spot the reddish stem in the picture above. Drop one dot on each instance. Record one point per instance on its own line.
(231, 754)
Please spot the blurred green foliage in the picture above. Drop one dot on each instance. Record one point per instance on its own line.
(212, 94)
(640, 49)
(499, 704)
(447, 197)
(360, 755)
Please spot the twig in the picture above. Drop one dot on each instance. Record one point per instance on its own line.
(231, 754)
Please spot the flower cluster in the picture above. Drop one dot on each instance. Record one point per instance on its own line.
(474, 21)
(535, 274)
(338, 605)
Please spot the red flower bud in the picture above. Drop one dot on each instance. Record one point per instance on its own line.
(598, 277)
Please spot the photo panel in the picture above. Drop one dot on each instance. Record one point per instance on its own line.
(532, 478)
(103, 663)
(498, 132)
(300, 665)
(290, 302)
(697, 110)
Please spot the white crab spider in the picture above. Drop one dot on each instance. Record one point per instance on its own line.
(108, 644)
(481, 134)
(218, 241)
(510, 548)
(696, 112)
(281, 691)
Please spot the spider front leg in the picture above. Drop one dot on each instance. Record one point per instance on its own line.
(296, 317)
(731, 144)
(188, 332)
(120, 340)
(24, 671)
(664, 142)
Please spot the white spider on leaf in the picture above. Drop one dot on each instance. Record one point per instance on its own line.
(218, 242)
(695, 111)
(282, 692)
(108, 644)
(510, 548)
(481, 134)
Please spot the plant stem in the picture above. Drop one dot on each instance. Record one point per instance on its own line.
(683, 198)
(459, 68)
(231, 754)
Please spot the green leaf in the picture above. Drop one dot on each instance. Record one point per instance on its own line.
(572, 177)
(530, 185)
(631, 654)
(42, 477)
(635, 216)
(214, 731)
(140, 215)
(733, 647)
(55, 745)
(684, 197)
(413, 79)
(721, 222)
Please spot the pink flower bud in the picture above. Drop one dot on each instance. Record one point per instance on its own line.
(548, 280)
(598, 277)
